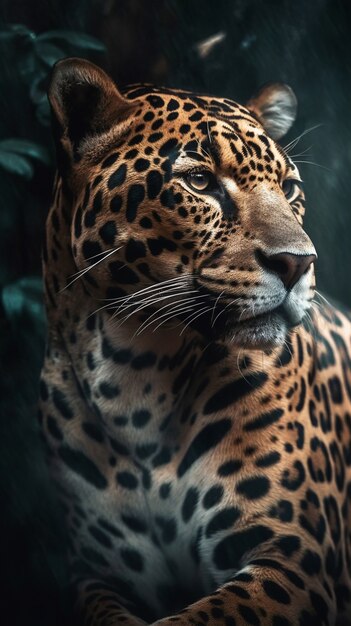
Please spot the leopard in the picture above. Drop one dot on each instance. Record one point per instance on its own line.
(195, 396)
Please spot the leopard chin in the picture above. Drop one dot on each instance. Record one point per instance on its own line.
(261, 332)
(265, 331)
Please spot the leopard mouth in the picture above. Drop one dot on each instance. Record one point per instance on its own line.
(261, 331)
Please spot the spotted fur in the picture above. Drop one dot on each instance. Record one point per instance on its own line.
(195, 399)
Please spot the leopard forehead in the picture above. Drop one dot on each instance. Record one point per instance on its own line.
(215, 132)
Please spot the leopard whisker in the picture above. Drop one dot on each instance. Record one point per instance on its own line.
(294, 142)
(155, 297)
(214, 307)
(159, 289)
(156, 313)
(174, 312)
(202, 311)
(90, 267)
(232, 302)
(152, 302)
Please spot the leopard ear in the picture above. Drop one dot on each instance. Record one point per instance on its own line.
(85, 103)
(275, 106)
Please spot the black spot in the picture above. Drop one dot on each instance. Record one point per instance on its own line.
(144, 360)
(100, 536)
(154, 182)
(108, 232)
(135, 140)
(131, 154)
(263, 420)
(162, 458)
(109, 391)
(134, 523)
(145, 222)
(116, 204)
(118, 447)
(156, 246)
(123, 275)
(93, 431)
(155, 101)
(127, 480)
(118, 356)
(288, 544)
(165, 490)
(61, 404)
(110, 160)
(136, 195)
(222, 520)
(230, 550)
(145, 450)
(132, 559)
(311, 562)
(141, 418)
(79, 463)
(293, 479)
(254, 488)
(213, 496)
(283, 511)
(229, 467)
(234, 391)
(209, 437)
(238, 591)
(110, 527)
(91, 249)
(276, 592)
(135, 249)
(118, 177)
(154, 137)
(249, 615)
(172, 105)
(268, 459)
(141, 165)
(167, 147)
(335, 390)
(190, 503)
(286, 354)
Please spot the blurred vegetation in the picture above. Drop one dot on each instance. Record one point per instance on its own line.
(306, 44)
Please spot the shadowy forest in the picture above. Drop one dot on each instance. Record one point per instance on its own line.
(228, 48)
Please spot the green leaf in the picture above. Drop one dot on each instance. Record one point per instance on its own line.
(75, 38)
(48, 52)
(24, 296)
(16, 164)
(16, 30)
(26, 148)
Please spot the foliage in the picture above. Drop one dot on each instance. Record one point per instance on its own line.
(32, 564)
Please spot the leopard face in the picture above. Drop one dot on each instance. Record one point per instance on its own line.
(190, 193)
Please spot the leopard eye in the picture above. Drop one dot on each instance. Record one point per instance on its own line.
(289, 185)
(201, 181)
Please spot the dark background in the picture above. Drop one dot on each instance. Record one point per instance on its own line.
(306, 44)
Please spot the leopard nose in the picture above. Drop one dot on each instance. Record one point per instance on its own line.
(288, 266)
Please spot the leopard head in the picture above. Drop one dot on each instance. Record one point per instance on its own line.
(183, 207)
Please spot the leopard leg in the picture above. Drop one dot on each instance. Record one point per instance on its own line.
(98, 604)
(266, 592)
